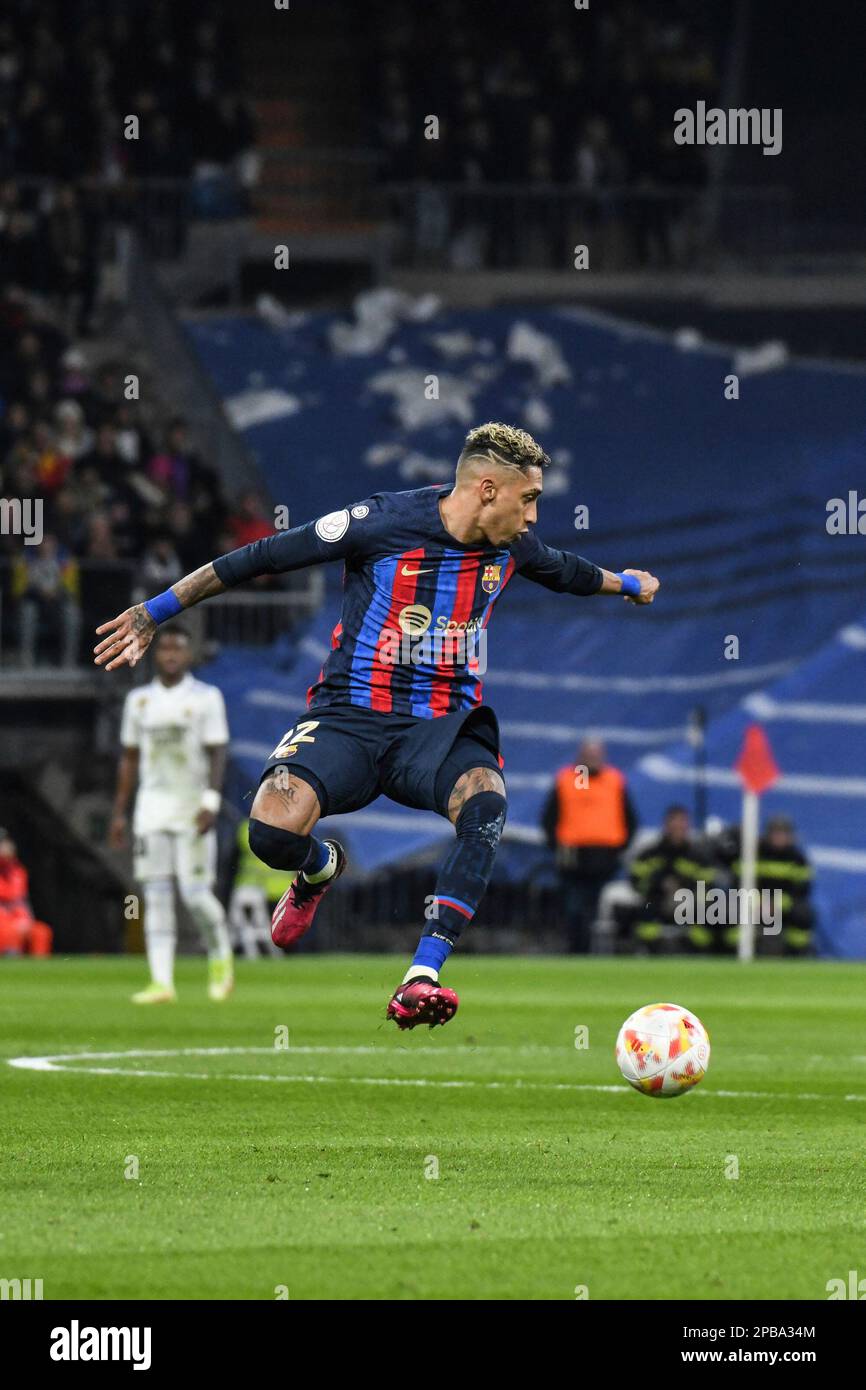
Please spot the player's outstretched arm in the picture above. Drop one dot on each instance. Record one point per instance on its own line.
(642, 589)
(127, 637)
(563, 572)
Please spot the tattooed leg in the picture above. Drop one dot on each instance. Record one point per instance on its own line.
(477, 779)
(286, 802)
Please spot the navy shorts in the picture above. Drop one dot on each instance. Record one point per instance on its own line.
(351, 755)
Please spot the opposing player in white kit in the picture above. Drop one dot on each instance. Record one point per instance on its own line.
(174, 735)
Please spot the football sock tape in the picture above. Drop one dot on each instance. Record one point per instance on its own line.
(320, 863)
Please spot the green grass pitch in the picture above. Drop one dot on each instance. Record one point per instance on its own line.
(217, 1165)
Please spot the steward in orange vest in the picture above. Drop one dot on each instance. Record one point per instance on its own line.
(589, 820)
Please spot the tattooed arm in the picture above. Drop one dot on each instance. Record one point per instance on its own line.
(336, 536)
(128, 636)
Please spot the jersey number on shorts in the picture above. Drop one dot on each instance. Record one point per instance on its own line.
(300, 734)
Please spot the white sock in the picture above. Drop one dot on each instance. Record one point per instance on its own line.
(329, 870)
(207, 912)
(416, 971)
(159, 930)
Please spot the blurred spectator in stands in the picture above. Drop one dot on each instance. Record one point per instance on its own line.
(649, 213)
(52, 464)
(86, 489)
(476, 159)
(102, 539)
(72, 436)
(233, 131)
(19, 249)
(38, 392)
(541, 154)
(599, 172)
(68, 520)
(674, 860)
(206, 499)
(20, 932)
(105, 457)
(20, 477)
(132, 440)
(395, 137)
(74, 380)
(181, 476)
(160, 565)
(163, 152)
(588, 820)
(192, 545)
(26, 359)
(14, 425)
(250, 521)
(45, 585)
(172, 469)
(127, 489)
(103, 394)
(71, 246)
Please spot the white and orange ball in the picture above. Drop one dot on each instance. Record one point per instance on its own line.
(663, 1050)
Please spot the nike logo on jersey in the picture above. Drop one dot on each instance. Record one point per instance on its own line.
(406, 570)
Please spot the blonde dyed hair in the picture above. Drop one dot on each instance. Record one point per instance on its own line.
(505, 444)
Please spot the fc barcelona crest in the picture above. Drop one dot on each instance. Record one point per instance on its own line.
(490, 578)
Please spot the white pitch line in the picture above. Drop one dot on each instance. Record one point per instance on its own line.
(56, 1063)
(347, 1051)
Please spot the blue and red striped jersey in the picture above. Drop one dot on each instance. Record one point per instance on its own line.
(416, 601)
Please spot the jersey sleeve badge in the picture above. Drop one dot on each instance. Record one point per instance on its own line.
(333, 526)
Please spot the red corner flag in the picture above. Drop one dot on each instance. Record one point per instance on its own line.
(756, 764)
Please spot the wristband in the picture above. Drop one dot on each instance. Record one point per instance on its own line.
(630, 584)
(166, 605)
(210, 801)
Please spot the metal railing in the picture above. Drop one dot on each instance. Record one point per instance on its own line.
(239, 618)
(504, 226)
(159, 209)
(256, 619)
(343, 181)
(383, 914)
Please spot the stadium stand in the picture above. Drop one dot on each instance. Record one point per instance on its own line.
(68, 75)
(121, 481)
(554, 101)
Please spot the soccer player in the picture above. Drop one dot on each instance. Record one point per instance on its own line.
(397, 707)
(174, 736)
